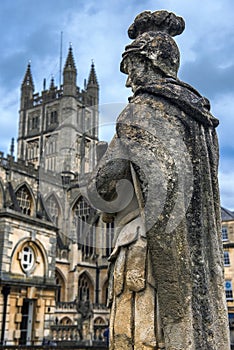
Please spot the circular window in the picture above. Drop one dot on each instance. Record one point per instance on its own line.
(27, 259)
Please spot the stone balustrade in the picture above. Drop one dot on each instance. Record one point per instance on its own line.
(65, 333)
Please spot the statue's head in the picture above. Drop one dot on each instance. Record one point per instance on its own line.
(153, 42)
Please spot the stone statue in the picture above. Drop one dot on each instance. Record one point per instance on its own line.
(158, 182)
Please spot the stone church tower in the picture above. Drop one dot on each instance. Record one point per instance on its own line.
(54, 245)
(63, 119)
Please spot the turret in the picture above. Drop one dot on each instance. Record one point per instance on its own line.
(27, 89)
(52, 86)
(93, 86)
(69, 75)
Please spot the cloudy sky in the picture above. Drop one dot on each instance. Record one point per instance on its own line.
(31, 30)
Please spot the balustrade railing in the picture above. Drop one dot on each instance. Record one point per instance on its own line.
(65, 333)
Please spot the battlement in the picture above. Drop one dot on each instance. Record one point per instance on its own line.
(45, 96)
(8, 162)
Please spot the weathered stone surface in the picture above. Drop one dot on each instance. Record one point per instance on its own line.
(135, 267)
(145, 319)
(169, 152)
(132, 322)
(123, 321)
(119, 272)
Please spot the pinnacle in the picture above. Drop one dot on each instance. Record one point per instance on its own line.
(92, 76)
(52, 83)
(70, 62)
(28, 80)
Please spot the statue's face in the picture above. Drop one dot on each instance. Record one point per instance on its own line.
(140, 71)
(137, 72)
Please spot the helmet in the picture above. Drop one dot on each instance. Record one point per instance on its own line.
(153, 40)
(159, 48)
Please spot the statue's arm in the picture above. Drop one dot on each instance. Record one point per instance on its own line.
(104, 184)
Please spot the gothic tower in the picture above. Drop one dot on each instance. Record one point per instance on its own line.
(58, 129)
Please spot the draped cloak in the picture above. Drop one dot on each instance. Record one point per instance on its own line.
(167, 134)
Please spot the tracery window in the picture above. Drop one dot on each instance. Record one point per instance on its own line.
(53, 117)
(84, 227)
(84, 288)
(25, 200)
(33, 150)
(60, 291)
(53, 208)
(33, 122)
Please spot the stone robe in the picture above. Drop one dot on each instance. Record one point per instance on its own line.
(167, 134)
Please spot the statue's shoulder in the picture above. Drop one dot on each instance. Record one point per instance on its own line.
(180, 94)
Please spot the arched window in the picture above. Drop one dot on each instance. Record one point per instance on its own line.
(85, 288)
(99, 328)
(65, 321)
(24, 199)
(105, 292)
(84, 227)
(82, 209)
(60, 291)
(53, 117)
(53, 208)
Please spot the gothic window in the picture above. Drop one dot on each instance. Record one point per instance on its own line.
(224, 233)
(53, 208)
(85, 230)
(53, 117)
(32, 150)
(105, 292)
(65, 321)
(84, 288)
(226, 258)
(25, 200)
(109, 235)
(59, 294)
(99, 328)
(82, 209)
(27, 258)
(228, 290)
(51, 145)
(34, 122)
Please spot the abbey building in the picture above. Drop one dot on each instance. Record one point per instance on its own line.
(53, 245)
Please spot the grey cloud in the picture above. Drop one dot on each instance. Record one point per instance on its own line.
(207, 77)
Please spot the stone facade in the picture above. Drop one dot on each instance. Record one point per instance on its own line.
(53, 245)
(228, 256)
